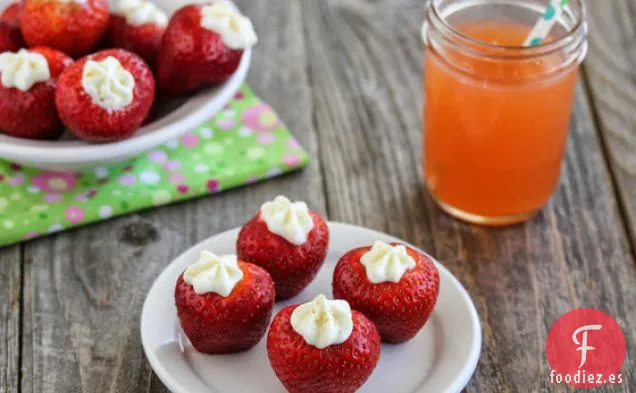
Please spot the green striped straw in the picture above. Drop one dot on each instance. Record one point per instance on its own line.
(546, 22)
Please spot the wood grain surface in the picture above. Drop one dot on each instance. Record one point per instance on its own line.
(346, 77)
(10, 296)
(611, 74)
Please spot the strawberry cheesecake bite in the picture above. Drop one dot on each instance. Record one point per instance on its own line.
(224, 305)
(137, 26)
(27, 94)
(322, 347)
(71, 26)
(203, 45)
(289, 241)
(106, 96)
(392, 284)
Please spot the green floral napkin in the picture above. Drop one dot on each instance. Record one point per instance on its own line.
(244, 143)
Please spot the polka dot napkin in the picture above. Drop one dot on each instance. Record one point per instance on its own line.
(244, 143)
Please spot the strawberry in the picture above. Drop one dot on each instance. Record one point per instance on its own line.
(10, 38)
(27, 104)
(11, 15)
(229, 322)
(73, 27)
(137, 26)
(57, 60)
(117, 98)
(292, 266)
(194, 56)
(398, 309)
(337, 368)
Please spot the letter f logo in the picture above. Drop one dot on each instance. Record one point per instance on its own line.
(583, 344)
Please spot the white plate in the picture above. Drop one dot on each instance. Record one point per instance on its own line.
(440, 359)
(78, 155)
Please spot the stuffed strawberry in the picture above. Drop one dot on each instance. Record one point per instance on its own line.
(392, 284)
(224, 305)
(137, 26)
(11, 15)
(27, 93)
(105, 96)
(203, 45)
(71, 26)
(10, 38)
(322, 347)
(289, 241)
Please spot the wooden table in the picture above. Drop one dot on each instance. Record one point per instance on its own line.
(345, 75)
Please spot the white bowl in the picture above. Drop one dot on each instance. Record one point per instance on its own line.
(73, 154)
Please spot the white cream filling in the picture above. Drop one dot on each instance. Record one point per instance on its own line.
(288, 220)
(141, 12)
(323, 322)
(108, 83)
(386, 263)
(23, 69)
(235, 29)
(213, 273)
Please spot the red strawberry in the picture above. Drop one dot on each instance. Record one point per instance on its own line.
(144, 40)
(193, 56)
(94, 117)
(10, 38)
(71, 27)
(398, 309)
(292, 266)
(216, 324)
(340, 368)
(27, 108)
(138, 26)
(11, 15)
(57, 60)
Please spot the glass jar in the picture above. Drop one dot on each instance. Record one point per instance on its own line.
(497, 113)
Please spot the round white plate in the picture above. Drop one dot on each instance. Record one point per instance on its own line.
(440, 359)
(72, 154)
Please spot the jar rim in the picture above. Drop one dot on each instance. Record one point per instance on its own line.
(580, 28)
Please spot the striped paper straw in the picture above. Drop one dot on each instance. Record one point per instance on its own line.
(546, 22)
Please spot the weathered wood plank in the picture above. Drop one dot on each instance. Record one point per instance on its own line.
(610, 69)
(365, 65)
(85, 288)
(10, 291)
(348, 66)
